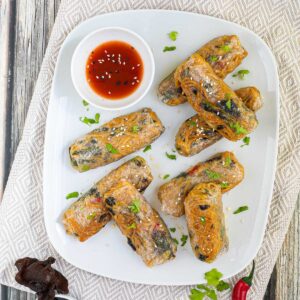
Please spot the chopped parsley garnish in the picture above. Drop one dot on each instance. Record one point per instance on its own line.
(89, 121)
(72, 195)
(135, 206)
(132, 226)
(110, 148)
(91, 216)
(173, 35)
(135, 129)
(214, 282)
(192, 123)
(225, 48)
(147, 148)
(212, 174)
(173, 229)
(85, 103)
(224, 185)
(241, 74)
(228, 104)
(85, 168)
(171, 156)
(175, 241)
(166, 176)
(228, 161)
(246, 141)
(202, 220)
(213, 58)
(241, 209)
(169, 48)
(238, 128)
(183, 239)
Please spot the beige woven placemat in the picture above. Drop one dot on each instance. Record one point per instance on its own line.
(22, 230)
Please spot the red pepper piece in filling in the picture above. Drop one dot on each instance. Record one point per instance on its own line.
(242, 287)
(193, 171)
(96, 200)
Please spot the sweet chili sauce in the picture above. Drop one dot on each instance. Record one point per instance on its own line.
(114, 70)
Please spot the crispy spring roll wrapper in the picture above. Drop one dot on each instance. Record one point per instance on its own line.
(213, 100)
(194, 135)
(205, 221)
(115, 139)
(223, 53)
(88, 214)
(223, 169)
(146, 232)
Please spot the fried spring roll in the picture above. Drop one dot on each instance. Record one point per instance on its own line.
(194, 134)
(146, 232)
(223, 169)
(213, 100)
(205, 221)
(223, 53)
(115, 139)
(88, 214)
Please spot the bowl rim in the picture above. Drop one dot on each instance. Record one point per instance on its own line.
(151, 69)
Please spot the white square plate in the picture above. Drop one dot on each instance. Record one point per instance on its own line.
(107, 253)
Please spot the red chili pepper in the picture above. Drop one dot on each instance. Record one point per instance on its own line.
(242, 287)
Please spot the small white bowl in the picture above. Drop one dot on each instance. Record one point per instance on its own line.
(88, 44)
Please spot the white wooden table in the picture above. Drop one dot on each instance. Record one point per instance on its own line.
(25, 28)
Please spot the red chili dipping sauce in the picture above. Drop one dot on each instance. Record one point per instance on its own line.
(114, 70)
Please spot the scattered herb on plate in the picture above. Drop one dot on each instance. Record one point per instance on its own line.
(147, 148)
(85, 103)
(89, 121)
(246, 141)
(175, 241)
(166, 176)
(183, 239)
(135, 206)
(241, 209)
(173, 229)
(241, 74)
(173, 35)
(171, 156)
(110, 148)
(169, 48)
(72, 195)
(85, 168)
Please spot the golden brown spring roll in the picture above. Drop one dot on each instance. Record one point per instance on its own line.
(213, 100)
(146, 232)
(115, 139)
(223, 53)
(205, 220)
(88, 214)
(194, 135)
(223, 169)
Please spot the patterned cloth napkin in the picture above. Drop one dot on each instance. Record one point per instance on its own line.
(22, 230)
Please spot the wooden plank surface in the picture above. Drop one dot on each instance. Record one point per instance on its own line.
(25, 27)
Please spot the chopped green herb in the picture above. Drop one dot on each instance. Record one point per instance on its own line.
(91, 216)
(228, 161)
(241, 209)
(147, 148)
(85, 103)
(212, 174)
(241, 74)
(213, 58)
(89, 121)
(132, 226)
(175, 241)
(135, 206)
(183, 239)
(173, 229)
(246, 141)
(238, 128)
(213, 277)
(225, 48)
(72, 195)
(197, 295)
(171, 156)
(85, 168)
(222, 286)
(167, 48)
(135, 128)
(224, 185)
(166, 176)
(193, 123)
(173, 35)
(203, 220)
(110, 148)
